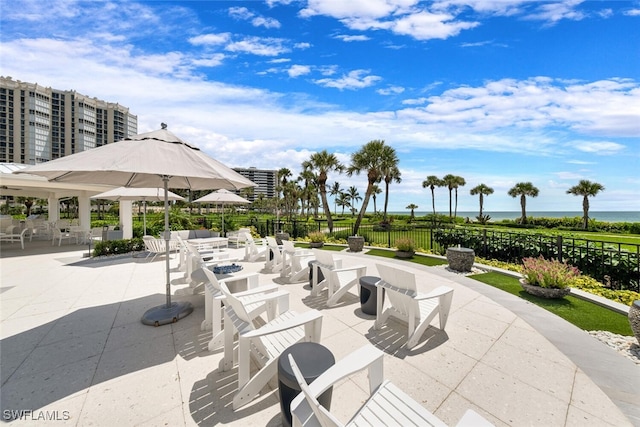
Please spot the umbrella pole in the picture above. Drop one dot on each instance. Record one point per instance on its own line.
(170, 312)
(144, 217)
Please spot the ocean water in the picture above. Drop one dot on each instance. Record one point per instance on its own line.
(605, 216)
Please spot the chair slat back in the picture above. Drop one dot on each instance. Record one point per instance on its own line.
(403, 287)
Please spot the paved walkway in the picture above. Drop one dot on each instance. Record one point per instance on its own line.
(72, 347)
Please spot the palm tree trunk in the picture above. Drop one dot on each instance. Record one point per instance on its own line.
(523, 206)
(327, 209)
(386, 199)
(433, 202)
(585, 212)
(481, 200)
(363, 209)
(450, 211)
(455, 215)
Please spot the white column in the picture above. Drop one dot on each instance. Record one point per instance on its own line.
(84, 211)
(54, 207)
(126, 209)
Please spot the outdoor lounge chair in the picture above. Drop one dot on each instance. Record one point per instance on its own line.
(256, 299)
(387, 405)
(14, 234)
(273, 263)
(264, 345)
(295, 262)
(338, 280)
(154, 246)
(253, 250)
(408, 305)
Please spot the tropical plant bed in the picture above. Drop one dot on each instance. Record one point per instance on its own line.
(584, 314)
(326, 247)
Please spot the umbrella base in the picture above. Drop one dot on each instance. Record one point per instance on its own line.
(162, 315)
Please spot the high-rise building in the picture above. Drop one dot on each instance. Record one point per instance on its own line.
(266, 180)
(38, 123)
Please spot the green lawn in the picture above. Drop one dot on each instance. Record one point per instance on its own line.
(583, 314)
(418, 259)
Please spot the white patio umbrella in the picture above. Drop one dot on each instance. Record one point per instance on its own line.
(152, 159)
(144, 194)
(222, 197)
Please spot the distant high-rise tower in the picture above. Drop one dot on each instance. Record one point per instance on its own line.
(266, 180)
(38, 123)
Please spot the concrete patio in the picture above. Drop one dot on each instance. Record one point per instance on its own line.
(73, 351)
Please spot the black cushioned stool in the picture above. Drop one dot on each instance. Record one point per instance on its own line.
(313, 359)
(369, 294)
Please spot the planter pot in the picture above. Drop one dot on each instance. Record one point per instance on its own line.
(460, 259)
(404, 254)
(634, 319)
(316, 244)
(281, 236)
(356, 243)
(541, 292)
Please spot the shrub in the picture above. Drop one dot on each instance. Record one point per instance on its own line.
(316, 237)
(405, 244)
(548, 273)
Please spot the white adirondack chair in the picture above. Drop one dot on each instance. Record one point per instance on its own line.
(253, 250)
(295, 262)
(256, 299)
(337, 280)
(329, 261)
(386, 406)
(273, 262)
(408, 305)
(264, 345)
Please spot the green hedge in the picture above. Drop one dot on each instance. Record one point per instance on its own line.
(120, 246)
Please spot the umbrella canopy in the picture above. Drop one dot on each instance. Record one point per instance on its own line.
(151, 159)
(145, 194)
(222, 197)
(143, 160)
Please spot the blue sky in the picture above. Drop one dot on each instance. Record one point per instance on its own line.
(495, 91)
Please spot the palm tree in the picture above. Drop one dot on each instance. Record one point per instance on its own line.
(482, 190)
(523, 189)
(343, 201)
(460, 182)
(376, 190)
(321, 164)
(449, 181)
(335, 190)
(432, 182)
(585, 189)
(389, 164)
(353, 197)
(412, 207)
(368, 158)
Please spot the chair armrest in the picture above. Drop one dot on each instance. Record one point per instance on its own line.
(366, 357)
(249, 277)
(290, 323)
(350, 268)
(436, 293)
(257, 290)
(268, 296)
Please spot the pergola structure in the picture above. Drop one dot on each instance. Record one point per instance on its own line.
(25, 185)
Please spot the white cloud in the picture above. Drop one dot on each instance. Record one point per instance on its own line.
(356, 9)
(302, 45)
(391, 90)
(210, 39)
(352, 38)
(211, 61)
(632, 12)
(259, 46)
(356, 79)
(425, 26)
(298, 70)
(240, 13)
(557, 11)
(261, 21)
(605, 148)
(416, 101)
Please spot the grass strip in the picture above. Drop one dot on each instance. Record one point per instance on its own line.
(325, 247)
(583, 314)
(418, 259)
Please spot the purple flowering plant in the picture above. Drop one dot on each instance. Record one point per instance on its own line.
(548, 273)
